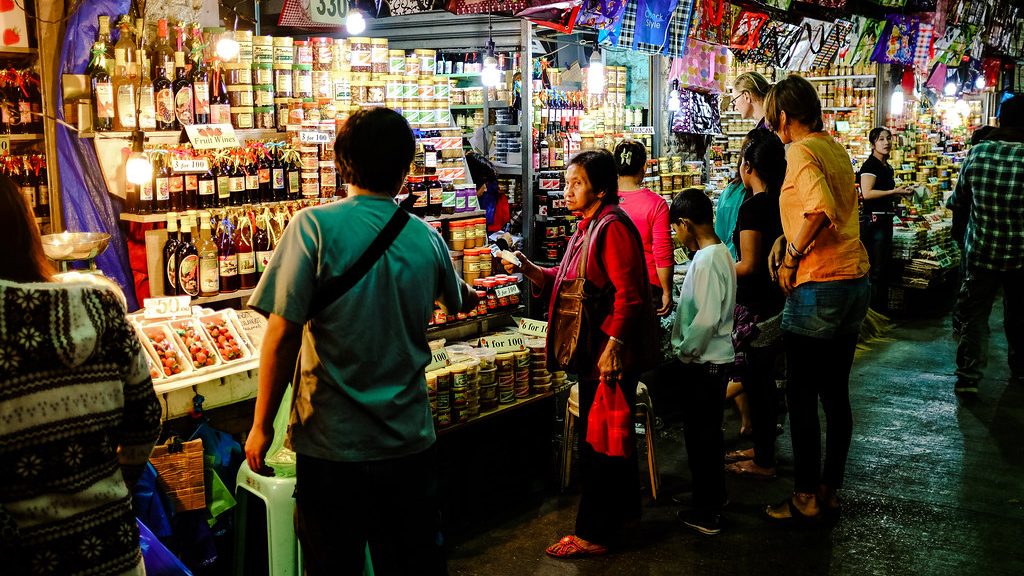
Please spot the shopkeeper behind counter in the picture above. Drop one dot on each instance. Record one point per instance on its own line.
(492, 199)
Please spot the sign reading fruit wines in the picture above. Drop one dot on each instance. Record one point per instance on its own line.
(208, 136)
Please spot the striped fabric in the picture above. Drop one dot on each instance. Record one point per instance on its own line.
(76, 408)
(679, 30)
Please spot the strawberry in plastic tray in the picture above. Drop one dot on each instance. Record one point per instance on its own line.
(192, 338)
(170, 358)
(223, 335)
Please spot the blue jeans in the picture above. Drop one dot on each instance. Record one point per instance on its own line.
(978, 292)
(826, 310)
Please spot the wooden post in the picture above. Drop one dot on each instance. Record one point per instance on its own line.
(49, 37)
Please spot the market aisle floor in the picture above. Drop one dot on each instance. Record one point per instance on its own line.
(934, 486)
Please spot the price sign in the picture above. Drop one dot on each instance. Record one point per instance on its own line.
(5, 145)
(438, 360)
(253, 324)
(644, 130)
(167, 307)
(190, 165)
(209, 136)
(842, 126)
(506, 291)
(310, 137)
(327, 12)
(532, 327)
(933, 180)
(908, 167)
(504, 342)
(929, 163)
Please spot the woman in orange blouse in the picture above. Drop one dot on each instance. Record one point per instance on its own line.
(822, 266)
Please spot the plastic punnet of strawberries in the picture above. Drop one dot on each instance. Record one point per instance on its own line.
(227, 345)
(201, 354)
(166, 352)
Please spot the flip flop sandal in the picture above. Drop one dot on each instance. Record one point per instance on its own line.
(737, 456)
(795, 517)
(571, 547)
(740, 469)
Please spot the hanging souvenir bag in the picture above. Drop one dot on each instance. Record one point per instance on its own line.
(559, 16)
(610, 421)
(698, 114)
(862, 40)
(705, 67)
(811, 41)
(713, 21)
(653, 18)
(836, 36)
(923, 52)
(898, 42)
(601, 14)
(777, 39)
(746, 32)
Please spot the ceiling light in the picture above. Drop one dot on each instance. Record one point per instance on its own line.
(950, 89)
(595, 75)
(355, 23)
(896, 103)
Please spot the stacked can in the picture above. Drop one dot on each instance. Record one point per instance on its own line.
(432, 394)
(488, 379)
(444, 390)
(540, 381)
(506, 374)
(284, 59)
(522, 368)
(559, 381)
(263, 87)
(239, 82)
(460, 392)
(341, 76)
(473, 392)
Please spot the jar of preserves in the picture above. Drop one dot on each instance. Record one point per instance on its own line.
(296, 114)
(393, 88)
(283, 83)
(308, 158)
(480, 226)
(312, 114)
(263, 50)
(343, 88)
(244, 39)
(416, 187)
(264, 117)
(328, 112)
(470, 265)
(361, 54)
(238, 73)
(281, 108)
(242, 117)
(310, 185)
(323, 84)
(284, 54)
(323, 56)
(302, 81)
(427, 61)
(303, 53)
(379, 56)
(396, 62)
(263, 74)
(340, 55)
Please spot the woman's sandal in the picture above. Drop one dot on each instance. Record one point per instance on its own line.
(739, 455)
(573, 547)
(748, 468)
(786, 512)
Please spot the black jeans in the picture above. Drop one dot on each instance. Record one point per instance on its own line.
(819, 368)
(877, 239)
(759, 385)
(609, 486)
(970, 321)
(392, 504)
(703, 388)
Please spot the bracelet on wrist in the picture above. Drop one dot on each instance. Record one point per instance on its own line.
(794, 253)
(616, 340)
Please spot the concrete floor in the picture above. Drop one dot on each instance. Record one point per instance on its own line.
(933, 486)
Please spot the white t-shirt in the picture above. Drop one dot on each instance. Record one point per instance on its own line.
(702, 332)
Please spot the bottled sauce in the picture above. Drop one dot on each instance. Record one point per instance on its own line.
(171, 246)
(227, 257)
(246, 254)
(220, 105)
(188, 259)
(207, 189)
(147, 99)
(200, 78)
(164, 100)
(209, 266)
(162, 52)
(183, 101)
(261, 244)
(126, 71)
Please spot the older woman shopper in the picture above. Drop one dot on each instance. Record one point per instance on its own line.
(610, 495)
(78, 415)
(822, 266)
(649, 213)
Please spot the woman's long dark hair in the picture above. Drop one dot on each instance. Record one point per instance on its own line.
(601, 171)
(766, 154)
(22, 258)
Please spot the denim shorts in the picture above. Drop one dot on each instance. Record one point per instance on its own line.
(827, 309)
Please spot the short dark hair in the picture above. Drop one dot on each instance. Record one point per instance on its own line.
(692, 204)
(876, 133)
(374, 149)
(1011, 113)
(630, 158)
(766, 154)
(798, 99)
(480, 169)
(600, 168)
(980, 134)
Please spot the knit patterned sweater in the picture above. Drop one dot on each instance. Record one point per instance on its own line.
(76, 406)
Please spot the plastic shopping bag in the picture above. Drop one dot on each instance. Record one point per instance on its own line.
(610, 423)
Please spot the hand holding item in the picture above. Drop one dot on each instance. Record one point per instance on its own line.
(610, 363)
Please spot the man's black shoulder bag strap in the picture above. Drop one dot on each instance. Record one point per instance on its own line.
(336, 287)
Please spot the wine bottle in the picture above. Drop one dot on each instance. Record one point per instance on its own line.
(171, 246)
(27, 183)
(294, 182)
(277, 177)
(42, 189)
(147, 98)
(200, 78)
(106, 44)
(209, 266)
(220, 105)
(236, 184)
(125, 75)
(261, 244)
(191, 197)
(102, 90)
(252, 182)
(162, 57)
(227, 257)
(263, 163)
(246, 254)
(188, 259)
(164, 91)
(162, 184)
(223, 176)
(208, 189)
(176, 187)
(183, 101)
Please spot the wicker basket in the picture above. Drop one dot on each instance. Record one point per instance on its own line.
(179, 467)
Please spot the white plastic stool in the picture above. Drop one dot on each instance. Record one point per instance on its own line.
(644, 413)
(276, 493)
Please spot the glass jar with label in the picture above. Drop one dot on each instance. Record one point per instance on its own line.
(244, 39)
(302, 81)
(412, 65)
(323, 55)
(284, 51)
(262, 74)
(264, 117)
(283, 82)
(375, 92)
(310, 184)
(426, 90)
(281, 111)
(447, 197)
(303, 53)
(242, 117)
(361, 54)
(396, 62)
(262, 49)
(427, 61)
(360, 86)
(379, 61)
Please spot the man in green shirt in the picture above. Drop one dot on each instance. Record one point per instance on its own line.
(360, 419)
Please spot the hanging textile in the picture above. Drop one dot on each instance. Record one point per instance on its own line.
(484, 6)
(601, 14)
(705, 67)
(85, 203)
(836, 36)
(653, 18)
(898, 42)
(923, 52)
(697, 114)
(713, 21)
(951, 47)
(811, 41)
(624, 34)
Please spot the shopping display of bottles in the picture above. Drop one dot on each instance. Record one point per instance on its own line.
(170, 252)
(102, 88)
(29, 173)
(125, 81)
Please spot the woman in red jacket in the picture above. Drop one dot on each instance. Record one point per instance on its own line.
(610, 494)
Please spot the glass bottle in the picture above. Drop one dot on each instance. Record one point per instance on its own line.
(220, 105)
(200, 78)
(176, 187)
(162, 52)
(107, 45)
(26, 182)
(209, 266)
(125, 78)
(246, 254)
(252, 182)
(227, 257)
(261, 244)
(183, 101)
(263, 165)
(147, 98)
(146, 201)
(294, 180)
(171, 246)
(188, 259)
(208, 188)
(162, 186)
(223, 177)
(236, 184)
(191, 195)
(277, 177)
(164, 93)
(42, 189)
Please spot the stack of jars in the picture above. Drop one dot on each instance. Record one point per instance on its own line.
(522, 370)
(469, 233)
(541, 378)
(465, 388)
(239, 82)
(488, 379)
(506, 377)
(264, 89)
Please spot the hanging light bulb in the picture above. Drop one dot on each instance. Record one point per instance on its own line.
(490, 76)
(950, 89)
(138, 169)
(979, 82)
(355, 23)
(227, 47)
(896, 102)
(595, 75)
(963, 108)
(673, 101)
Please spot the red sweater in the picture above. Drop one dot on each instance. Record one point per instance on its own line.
(616, 258)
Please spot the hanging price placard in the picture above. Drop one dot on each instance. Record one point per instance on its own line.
(167, 307)
(438, 360)
(327, 12)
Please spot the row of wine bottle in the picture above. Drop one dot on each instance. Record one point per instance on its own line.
(29, 173)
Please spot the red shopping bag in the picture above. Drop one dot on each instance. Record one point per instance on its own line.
(610, 423)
